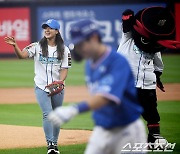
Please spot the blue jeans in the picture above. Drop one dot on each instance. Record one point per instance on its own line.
(47, 104)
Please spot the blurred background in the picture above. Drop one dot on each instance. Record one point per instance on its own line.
(23, 18)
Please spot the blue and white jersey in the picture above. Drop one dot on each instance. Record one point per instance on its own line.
(47, 69)
(142, 64)
(111, 77)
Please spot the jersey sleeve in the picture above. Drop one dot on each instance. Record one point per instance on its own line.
(158, 63)
(115, 83)
(31, 49)
(125, 37)
(66, 62)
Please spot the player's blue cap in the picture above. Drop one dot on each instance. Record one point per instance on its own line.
(52, 23)
(82, 29)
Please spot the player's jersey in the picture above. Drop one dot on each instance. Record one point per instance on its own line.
(47, 69)
(111, 77)
(143, 64)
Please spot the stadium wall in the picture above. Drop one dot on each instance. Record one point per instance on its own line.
(23, 19)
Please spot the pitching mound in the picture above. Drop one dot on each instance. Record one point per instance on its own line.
(27, 137)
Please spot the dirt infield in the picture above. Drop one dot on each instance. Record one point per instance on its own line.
(73, 94)
(27, 95)
(25, 137)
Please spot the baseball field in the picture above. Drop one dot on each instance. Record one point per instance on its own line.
(21, 120)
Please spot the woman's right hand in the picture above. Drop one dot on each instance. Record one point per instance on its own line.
(20, 54)
(10, 40)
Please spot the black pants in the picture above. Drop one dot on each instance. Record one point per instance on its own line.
(148, 101)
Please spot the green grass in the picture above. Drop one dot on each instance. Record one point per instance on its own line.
(70, 149)
(170, 122)
(30, 115)
(16, 73)
(76, 74)
(20, 73)
(171, 72)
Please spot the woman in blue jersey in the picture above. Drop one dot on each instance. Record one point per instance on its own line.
(51, 61)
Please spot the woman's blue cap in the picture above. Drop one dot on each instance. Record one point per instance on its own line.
(52, 23)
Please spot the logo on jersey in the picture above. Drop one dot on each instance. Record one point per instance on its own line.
(96, 87)
(102, 86)
(136, 49)
(48, 60)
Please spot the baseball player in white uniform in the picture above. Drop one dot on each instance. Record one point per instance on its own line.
(51, 62)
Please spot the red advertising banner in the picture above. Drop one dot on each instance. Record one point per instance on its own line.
(177, 14)
(14, 22)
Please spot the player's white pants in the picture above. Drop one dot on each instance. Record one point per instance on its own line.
(112, 141)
